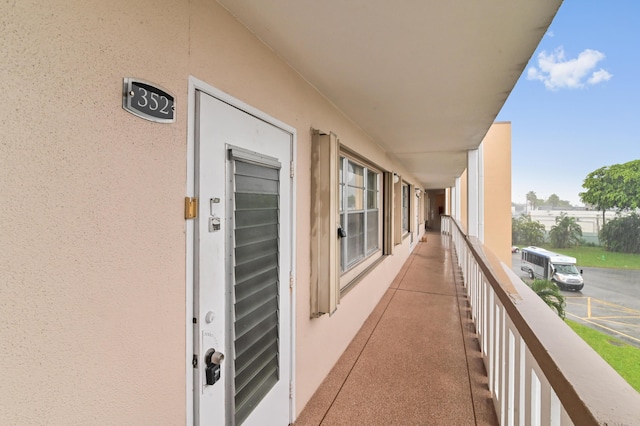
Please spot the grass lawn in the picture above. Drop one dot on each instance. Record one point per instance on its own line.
(599, 258)
(624, 358)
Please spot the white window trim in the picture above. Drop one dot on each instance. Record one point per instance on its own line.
(369, 259)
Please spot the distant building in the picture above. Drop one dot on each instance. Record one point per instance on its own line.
(589, 220)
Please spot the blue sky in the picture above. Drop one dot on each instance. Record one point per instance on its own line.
(576, 106)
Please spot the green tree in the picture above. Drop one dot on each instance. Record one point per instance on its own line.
(533, 199)
(550, 294)
(564, 203)
(613, 187)
(553, 200)
(566, 232)
(525, 231)
(622, 234)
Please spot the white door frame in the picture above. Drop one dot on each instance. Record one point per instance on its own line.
(196, 84)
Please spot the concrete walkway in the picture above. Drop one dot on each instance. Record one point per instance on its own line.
(416, 360)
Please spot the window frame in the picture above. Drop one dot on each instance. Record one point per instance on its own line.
(350, 270)
(327, 284)
(405, 212)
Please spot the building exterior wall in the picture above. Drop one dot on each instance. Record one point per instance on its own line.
(93, 246)
(93, 267)
(590, 221)
(496, 147)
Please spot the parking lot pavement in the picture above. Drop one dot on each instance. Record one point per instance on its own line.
(609, 301)
(611, 318)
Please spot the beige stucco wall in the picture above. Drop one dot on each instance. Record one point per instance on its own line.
(92, 245)
(496, 147)
(92, 264)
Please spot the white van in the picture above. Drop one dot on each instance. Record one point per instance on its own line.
(547, 265)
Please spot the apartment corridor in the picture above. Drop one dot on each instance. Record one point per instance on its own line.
(416, 359)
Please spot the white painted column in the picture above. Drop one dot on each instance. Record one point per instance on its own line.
(447, 201)
(456, 200)
(473, 193)
(481, 192)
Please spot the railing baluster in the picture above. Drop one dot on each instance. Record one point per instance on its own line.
(555, 410)
(512, 339)
(522, 382)
(490, 344)
(511, 379)
(485, 301)
(535, 399)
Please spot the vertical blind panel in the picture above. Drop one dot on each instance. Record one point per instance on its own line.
(372, 230)
(355, 237)
(372, 199)
(256, 284)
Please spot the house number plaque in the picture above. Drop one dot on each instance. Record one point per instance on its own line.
(148, 101)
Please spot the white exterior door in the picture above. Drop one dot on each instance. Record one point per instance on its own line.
(242, 256)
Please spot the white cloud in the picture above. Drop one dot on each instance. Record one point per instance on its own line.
(557, 72)
(550, 34)
(599, 76)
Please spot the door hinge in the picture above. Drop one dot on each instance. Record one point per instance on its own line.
(290, 390)
(291, 280)
(190, 207)
(194, 361)
(291, 169)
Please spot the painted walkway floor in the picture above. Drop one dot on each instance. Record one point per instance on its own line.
(416, 360)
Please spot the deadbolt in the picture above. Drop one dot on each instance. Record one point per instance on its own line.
(212, 371)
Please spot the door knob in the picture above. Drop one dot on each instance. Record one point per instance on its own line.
(216, 357)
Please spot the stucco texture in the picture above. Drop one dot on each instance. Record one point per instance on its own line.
(93, 287)
(248, 70)
(496, 147)
(92, 240)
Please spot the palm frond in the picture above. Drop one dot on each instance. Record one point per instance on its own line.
(550, 294)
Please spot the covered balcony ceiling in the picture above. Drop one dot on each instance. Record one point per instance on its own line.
(424, 78)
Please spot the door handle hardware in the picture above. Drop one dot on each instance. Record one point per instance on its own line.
(214, 224)
(212, 360)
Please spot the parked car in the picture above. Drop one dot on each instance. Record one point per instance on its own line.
(515, 249)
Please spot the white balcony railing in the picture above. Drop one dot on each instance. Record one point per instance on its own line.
(540, 372)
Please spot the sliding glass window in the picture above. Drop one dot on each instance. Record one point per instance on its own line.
(359, 212)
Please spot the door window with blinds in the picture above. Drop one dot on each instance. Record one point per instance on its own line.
(360, 212)
(255, 280)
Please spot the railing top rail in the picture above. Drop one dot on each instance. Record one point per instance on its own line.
(589, 389)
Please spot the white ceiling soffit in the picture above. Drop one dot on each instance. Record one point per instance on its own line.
(424, 78)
